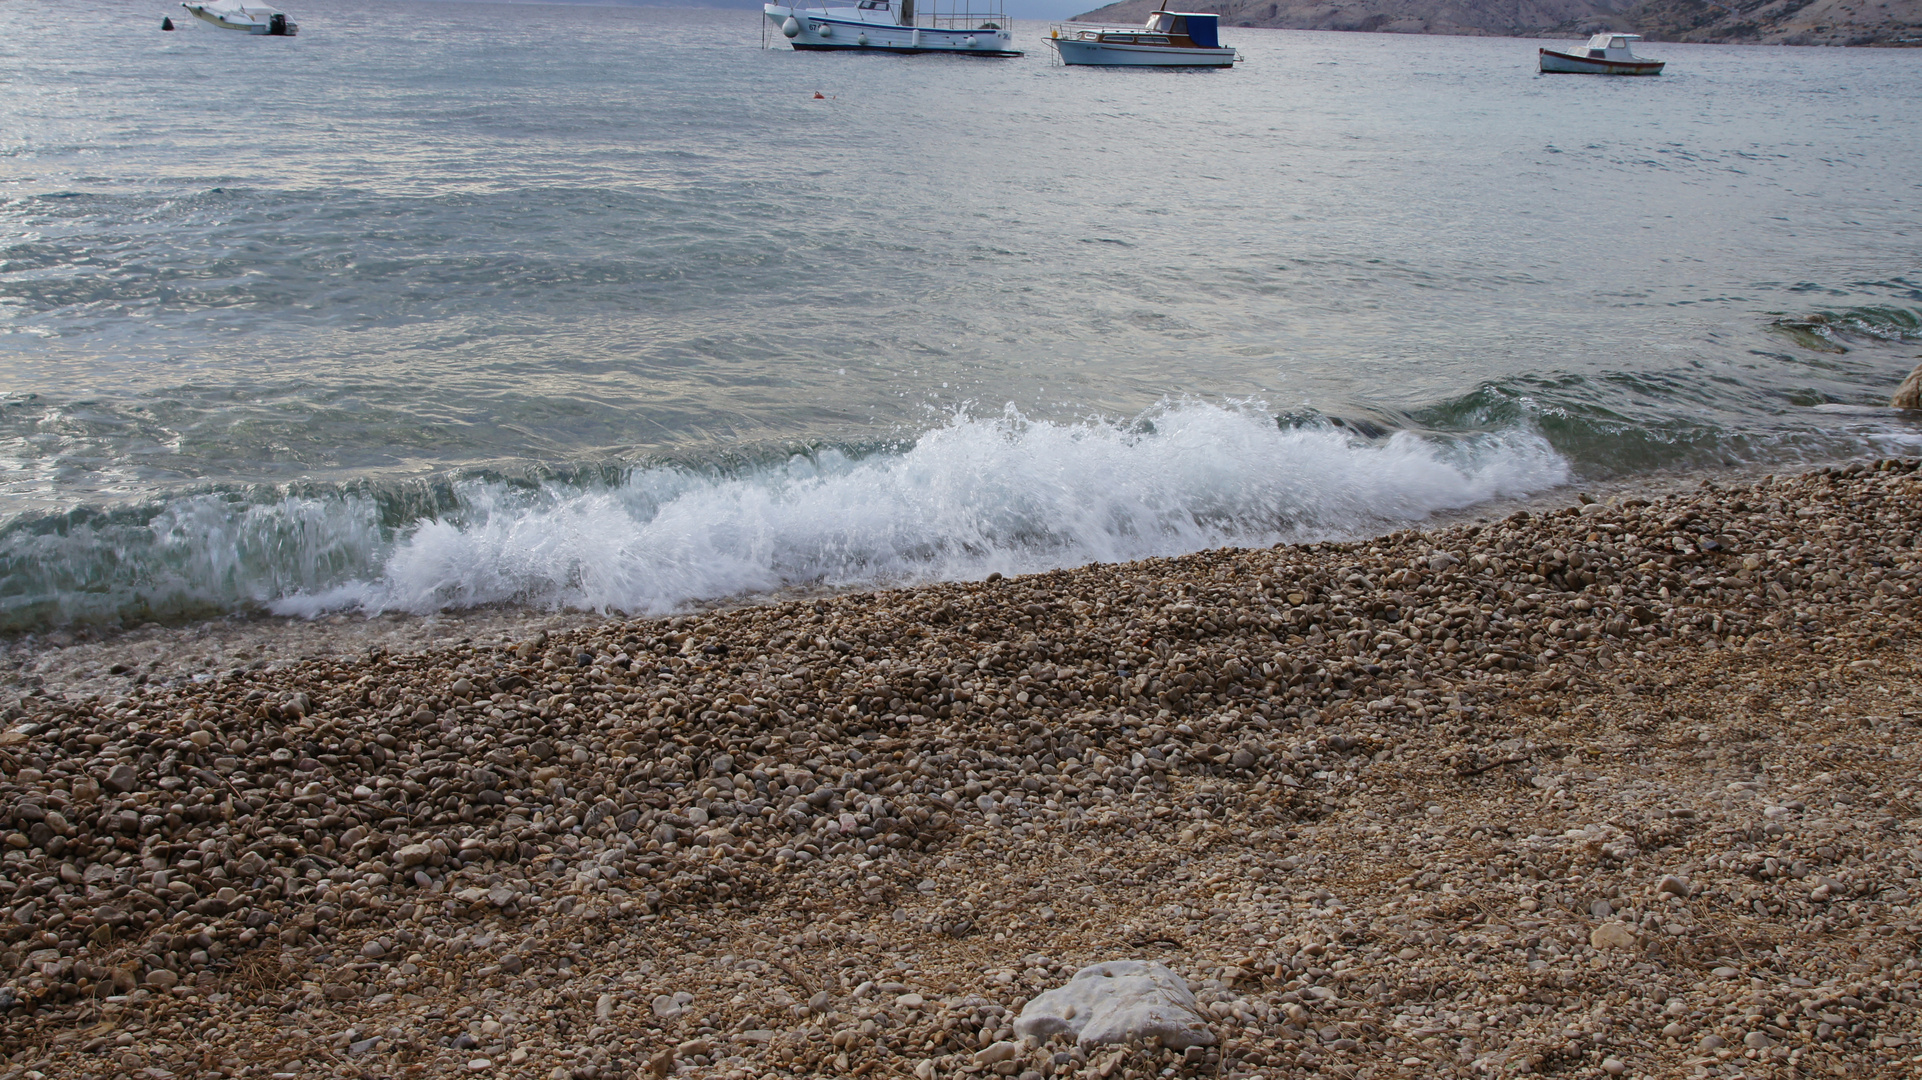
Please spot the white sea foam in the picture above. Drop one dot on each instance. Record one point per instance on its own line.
(970, 497)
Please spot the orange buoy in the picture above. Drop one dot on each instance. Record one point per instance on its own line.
(819, 96)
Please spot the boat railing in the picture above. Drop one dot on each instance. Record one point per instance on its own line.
(1111, 33)
(955, 15)
(928, 14)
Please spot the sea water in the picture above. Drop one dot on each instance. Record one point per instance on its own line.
(444, 304)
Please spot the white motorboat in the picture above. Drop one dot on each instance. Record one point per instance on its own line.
(1605, 54)
(244, 17)
(980, 28)
(1167, 39)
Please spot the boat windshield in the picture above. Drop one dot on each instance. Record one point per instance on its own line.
(874, 5)
(1617, 43)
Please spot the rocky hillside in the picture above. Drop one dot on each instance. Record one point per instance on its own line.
(1755, 22)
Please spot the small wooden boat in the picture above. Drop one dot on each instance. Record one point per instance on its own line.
(1605, 54)
(244, 17)
(1167, 39)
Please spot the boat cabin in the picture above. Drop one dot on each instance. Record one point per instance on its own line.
(1186, 29)
(1612, 47)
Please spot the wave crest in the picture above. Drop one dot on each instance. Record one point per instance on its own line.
(973, 496)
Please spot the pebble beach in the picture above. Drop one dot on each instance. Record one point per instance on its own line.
(1624, 787)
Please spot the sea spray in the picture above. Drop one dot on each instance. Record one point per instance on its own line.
(973, 496)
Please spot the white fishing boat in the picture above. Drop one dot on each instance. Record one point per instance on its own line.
(1605, 54)
(244, 17)
(966, 28)
(1167, 39)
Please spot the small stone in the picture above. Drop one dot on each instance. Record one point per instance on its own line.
(1671, 885)
(604, 1007)
(1612, 935)
(355, 1049)
(1601, 909)
(1726, 973)
(479, 1065)
(162, 979)
(997, 1053)
(1713, 1042)
(121, 780)
(1757, 1040)
(373, 950)
(414, 854)
(667, 1006)
(1614, 1066)
(910, 1001)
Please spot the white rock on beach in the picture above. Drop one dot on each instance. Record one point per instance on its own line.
(1116, 1002)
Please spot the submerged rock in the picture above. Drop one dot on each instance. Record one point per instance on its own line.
(1119, 1002)
(1909, 394)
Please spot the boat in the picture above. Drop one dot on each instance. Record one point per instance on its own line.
(245, 17)
(1167, 39)
(980, 28)
(1605, 54)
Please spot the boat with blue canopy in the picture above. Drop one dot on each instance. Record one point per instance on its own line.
(1167, 39)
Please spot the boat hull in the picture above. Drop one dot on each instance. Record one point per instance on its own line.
(819, 32)
(1109, 54)
(1560, 63)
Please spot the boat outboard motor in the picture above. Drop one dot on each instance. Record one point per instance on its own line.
(276, 25)
(166, 23)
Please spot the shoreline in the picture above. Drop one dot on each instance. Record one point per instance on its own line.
(1823, 25)
(1620, 790)
(80, 659)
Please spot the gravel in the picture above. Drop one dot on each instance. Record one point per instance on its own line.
(1631, 786)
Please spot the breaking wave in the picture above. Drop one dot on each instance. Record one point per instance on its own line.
(973, 496)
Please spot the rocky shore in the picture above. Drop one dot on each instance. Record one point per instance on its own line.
(1621, 789)
(1893, 24)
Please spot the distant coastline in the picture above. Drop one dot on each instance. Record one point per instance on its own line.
(1896, 23)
